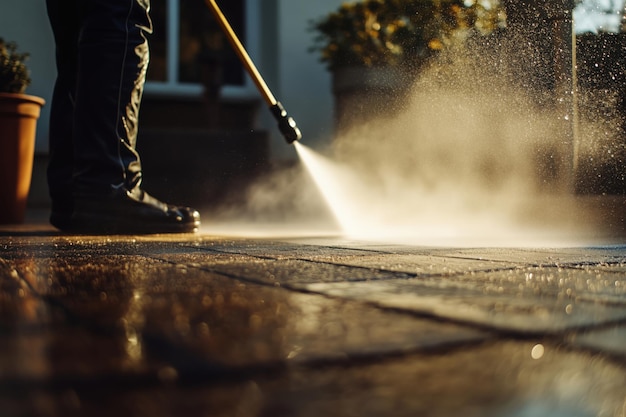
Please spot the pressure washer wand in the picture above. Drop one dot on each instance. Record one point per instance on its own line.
(286, 124)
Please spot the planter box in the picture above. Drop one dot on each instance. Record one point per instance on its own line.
(362, 94)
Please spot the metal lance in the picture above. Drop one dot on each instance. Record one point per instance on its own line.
(286, 124)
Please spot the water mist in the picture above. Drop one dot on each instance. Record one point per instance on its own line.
(474, 154)
(473, 158)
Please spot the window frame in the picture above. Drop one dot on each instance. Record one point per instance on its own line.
(172, 87)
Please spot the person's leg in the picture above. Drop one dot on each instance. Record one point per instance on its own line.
(112, 60)
(65, 21)
(112, 57)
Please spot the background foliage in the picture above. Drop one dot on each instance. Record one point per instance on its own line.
(400, 32)
(14, 74)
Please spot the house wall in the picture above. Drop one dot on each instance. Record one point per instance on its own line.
(26, 23)
(304, 83)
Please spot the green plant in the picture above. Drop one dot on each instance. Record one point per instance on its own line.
(400, 32)
(14, 74)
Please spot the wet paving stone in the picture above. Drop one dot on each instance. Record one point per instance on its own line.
(602, 284)
(528, 301)
(68, 354)
(280, 271)
(546, 257)
(277, 249)
(497, 379)
(473, 308)
(196, 325)
(152, 312)
(417, 264)
(611, 340)
(338, 267)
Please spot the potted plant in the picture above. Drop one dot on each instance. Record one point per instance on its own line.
(18, 120)
(375, 47)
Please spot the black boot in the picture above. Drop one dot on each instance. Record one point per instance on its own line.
(130, 212)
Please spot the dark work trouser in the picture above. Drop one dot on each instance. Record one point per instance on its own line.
(102, 57)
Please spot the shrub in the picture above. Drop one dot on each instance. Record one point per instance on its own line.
(400, 32)
(14, 74)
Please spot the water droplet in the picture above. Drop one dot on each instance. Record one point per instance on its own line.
(537, 352)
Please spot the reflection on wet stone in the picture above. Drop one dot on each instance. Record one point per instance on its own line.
(160, 328)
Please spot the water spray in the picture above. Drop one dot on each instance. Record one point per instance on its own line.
(286, 124)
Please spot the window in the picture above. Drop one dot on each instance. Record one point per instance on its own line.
(595, 16)
(188, 49)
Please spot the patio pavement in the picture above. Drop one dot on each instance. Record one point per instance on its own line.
(182, 325)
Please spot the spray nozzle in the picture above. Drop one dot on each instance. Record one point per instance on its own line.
(286, 124)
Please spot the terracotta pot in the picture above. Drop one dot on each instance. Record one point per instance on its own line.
(18, 122)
